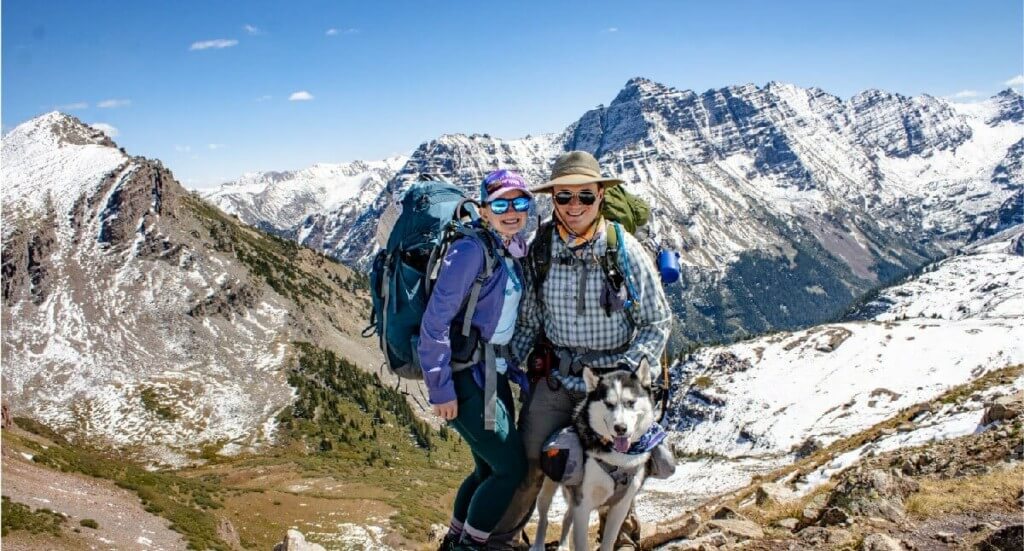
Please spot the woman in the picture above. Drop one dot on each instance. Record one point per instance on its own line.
(486, 420)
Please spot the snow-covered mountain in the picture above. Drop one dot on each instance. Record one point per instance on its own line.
(137, 315)
(278, 201)
(958, 319)
(787, 203)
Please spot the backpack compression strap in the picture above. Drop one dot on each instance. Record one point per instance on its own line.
(490, 251)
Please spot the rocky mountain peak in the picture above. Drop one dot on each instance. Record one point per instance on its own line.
(60, 128)
(1009, 107)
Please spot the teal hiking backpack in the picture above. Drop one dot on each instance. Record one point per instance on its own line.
(433, 215)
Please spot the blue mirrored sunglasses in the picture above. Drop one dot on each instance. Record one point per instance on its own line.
(500, 206)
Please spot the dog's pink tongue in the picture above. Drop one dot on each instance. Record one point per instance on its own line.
(621, 444)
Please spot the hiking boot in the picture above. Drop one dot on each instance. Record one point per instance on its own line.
(449, 542)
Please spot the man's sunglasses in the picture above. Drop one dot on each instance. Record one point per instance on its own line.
(586, 197)
(500, 206)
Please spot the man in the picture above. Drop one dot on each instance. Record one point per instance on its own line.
(582, 313)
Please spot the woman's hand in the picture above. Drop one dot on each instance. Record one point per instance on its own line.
(447, 410)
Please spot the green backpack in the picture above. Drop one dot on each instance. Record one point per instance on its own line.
(625, 208)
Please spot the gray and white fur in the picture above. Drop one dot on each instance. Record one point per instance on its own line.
(617, 411)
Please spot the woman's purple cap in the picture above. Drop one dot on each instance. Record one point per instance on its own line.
(502, 182)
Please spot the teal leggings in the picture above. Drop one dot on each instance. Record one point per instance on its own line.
(498, 455)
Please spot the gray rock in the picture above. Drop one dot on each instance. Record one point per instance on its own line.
(788, 523)
(833, 516)
(817, 536)
(1010, 538)
(880, 542)
(1004, 408)
(946, 537)
(707, 542)
(725, 512)
(295, 541)
(738, 528)
(771, 492)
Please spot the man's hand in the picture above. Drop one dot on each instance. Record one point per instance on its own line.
(447, 410)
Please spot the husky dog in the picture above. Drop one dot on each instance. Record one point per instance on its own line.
(616, 413)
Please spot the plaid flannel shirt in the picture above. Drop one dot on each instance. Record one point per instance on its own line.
(557, 314)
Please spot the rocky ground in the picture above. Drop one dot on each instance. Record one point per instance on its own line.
(964, 493)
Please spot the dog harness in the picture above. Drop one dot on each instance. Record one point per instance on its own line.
(621, 475)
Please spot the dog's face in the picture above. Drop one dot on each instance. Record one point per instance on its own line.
(619, 404)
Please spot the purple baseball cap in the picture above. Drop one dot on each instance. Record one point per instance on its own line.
(502, 182)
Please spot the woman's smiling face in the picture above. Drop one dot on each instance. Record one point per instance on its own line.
(509, 222)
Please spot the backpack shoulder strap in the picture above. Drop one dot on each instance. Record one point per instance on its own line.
(616, 265)
(486, 241)
(540, 253)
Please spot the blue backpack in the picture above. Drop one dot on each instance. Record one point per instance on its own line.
(433, 215)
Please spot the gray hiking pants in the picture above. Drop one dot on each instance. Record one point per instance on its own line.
(548, 410)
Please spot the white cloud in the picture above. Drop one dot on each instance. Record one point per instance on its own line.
(114, 103)
(252, 29)
(214, 146)
(612, 30)
(301, 95)
(107, 129)
(183, 148)
(72, 106)
(1015, 82)
(265, 98)
(216, 44)
(335, 32)
(332, 32)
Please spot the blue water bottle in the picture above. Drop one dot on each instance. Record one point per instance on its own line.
(668, 265)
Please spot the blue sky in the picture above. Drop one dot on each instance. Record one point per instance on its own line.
(205, 85)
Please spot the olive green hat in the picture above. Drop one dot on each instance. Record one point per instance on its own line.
(575, 168)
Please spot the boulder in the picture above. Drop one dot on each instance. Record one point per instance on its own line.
(725, 512)
(865, 491)
(738, 528)
(685, 527)
(787, 523)
(713, 540)
(880, 542)
(833, 516)
(807, 447)
(814, 507)
(818, 537)
(1004, 408)
(1006, 539)
(947, 537)
(771, 492)
(295, 541)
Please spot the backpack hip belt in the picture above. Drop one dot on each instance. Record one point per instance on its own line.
(572, 360)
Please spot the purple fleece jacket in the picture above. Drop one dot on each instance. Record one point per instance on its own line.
(460, 267)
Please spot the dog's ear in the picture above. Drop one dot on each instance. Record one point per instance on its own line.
(643, 372)
(591, 379)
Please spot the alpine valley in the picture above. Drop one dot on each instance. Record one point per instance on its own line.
(195, 363)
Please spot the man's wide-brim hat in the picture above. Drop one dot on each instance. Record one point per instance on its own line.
(575, 168)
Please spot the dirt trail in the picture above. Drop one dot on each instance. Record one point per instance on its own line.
(123, 524)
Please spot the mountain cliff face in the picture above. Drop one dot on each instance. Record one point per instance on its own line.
(136, 315)
(786, 203)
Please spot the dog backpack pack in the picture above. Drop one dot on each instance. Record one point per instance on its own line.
(432, 215)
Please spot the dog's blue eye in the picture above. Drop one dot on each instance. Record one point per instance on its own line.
(631, 403)
(611, 405)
